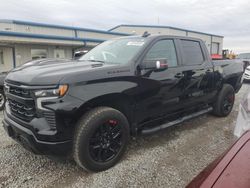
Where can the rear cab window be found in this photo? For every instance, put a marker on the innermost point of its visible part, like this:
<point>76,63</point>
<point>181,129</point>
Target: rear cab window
<point>192,52</point>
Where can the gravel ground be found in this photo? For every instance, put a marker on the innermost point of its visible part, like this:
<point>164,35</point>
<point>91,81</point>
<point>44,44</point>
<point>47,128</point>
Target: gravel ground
<point>170,158</point>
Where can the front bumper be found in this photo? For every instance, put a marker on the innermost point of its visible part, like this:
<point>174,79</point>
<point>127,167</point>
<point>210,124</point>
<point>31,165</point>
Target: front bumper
<point>42,125</point>
<point>28,140</point>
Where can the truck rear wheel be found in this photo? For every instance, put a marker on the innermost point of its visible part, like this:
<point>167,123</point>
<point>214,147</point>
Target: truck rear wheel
<point>2,100</point>
<point>100,139</point>
<point>225,101</point>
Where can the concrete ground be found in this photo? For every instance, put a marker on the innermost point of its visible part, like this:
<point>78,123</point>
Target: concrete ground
<point>170,158</point>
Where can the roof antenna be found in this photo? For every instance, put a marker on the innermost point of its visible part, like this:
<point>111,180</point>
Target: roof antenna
<point>145,34</point>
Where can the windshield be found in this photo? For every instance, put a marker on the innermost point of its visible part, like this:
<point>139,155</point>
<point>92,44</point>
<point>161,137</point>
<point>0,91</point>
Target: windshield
<point>117,51</point>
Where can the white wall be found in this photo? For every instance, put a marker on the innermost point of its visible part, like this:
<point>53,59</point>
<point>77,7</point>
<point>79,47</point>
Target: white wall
<point>205,38</point>
<point>14,39</point>
<point>44,30</point>
<point>7,59</point>
<point>177,32</point>
<point>93,35</point>
<point>23,52</point>
<point>141,30</point>
<point>53,31</point>
<point>6,26</point>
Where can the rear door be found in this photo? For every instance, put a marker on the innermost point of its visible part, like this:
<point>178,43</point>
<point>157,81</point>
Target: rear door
<point>197,72</point>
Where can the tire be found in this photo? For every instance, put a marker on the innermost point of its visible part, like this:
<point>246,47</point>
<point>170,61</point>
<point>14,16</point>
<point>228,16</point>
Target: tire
<point>225,101</point>
<point>99,133</point>
<point>2,100</point>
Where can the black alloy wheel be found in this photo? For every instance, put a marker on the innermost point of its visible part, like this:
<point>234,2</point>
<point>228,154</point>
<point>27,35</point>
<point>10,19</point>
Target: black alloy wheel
<point>106,142</point>
<point>228,103</point>
<point>100,139</point>
<point>225,101</point>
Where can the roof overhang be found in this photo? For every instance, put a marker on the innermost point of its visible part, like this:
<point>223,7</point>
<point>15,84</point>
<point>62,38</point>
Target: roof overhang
<point>16,37</point>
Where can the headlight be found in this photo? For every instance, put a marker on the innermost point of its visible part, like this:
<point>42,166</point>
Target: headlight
<point>57,92</point>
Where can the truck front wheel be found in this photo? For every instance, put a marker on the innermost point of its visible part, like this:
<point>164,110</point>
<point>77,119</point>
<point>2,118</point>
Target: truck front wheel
<point>100,139</point>
<point>225,101</point>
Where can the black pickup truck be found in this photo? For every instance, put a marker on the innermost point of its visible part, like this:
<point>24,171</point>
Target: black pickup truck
<point>127,86</point>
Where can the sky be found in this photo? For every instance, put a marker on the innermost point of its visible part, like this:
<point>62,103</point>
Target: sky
<point>230,19</point>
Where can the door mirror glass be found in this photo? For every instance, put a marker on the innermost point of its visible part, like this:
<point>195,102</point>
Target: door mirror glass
<point>155,64</point>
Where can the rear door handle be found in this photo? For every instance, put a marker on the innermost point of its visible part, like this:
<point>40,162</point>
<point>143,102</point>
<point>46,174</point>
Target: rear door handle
<point>208,71</point>
<point>179,75</point>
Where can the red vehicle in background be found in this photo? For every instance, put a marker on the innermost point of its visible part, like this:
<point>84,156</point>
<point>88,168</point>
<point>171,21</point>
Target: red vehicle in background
<point>231,170</point>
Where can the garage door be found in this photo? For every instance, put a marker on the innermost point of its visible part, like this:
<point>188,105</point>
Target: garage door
<point>215,48</point>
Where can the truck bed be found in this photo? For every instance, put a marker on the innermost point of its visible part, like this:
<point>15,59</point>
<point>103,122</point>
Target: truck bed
<point>229,67</point>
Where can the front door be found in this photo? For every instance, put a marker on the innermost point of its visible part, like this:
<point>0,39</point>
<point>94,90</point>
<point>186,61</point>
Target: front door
<point>160,90</point>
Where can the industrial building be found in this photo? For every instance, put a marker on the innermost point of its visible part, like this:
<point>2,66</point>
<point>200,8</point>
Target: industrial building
<point>21,41</point>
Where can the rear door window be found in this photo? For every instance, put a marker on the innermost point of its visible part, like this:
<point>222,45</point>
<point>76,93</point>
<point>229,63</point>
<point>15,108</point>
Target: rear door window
<point>192,52</point>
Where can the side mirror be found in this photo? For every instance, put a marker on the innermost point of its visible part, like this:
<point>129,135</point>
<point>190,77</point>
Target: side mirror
<point>79,54</point>
<point>155,64</point>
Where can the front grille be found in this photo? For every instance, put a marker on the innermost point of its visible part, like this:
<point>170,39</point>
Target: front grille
<point>21,103</point>
<point>19,92</point>
<point>22,111</point>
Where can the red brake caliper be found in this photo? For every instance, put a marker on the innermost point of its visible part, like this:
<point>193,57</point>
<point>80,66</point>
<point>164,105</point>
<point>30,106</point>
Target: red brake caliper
<point>231,98</point>
<point>112,122</point>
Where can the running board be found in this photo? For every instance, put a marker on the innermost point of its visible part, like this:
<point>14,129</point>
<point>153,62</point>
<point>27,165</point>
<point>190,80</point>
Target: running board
<point>180,120</point>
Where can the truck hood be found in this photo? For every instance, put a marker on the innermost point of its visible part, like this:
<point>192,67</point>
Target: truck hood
<point>50,72</point>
